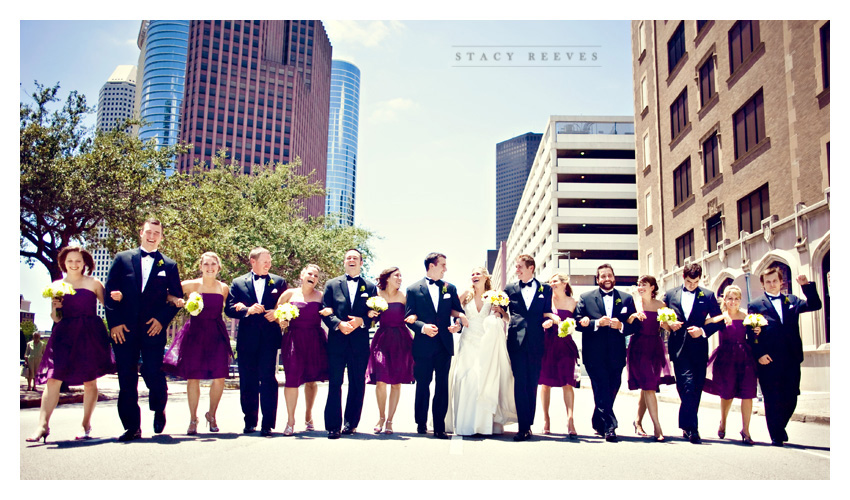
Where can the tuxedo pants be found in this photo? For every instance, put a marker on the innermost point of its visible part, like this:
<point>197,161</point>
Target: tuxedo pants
<point>526,369</point>
<point>425,367</point>
<point>690,379</point>
<point>338,361</point>
<point>151,349</point>
<point>258,388</point>
<point>605,380</point>
<point>780,385</point>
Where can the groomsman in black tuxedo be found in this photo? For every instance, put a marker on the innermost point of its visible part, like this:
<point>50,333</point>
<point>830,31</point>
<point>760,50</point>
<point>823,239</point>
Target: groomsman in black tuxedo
<point>252,301</point>
<point>688,344</point>
<point>137,312</point>
<point>603,315</point>
<point>531,313</point>
<point>432,301</point>
<point>348,343</point>
<point>778,348</point>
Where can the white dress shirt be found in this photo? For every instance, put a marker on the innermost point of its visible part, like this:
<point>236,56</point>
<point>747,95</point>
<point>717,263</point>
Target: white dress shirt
<point>147,266</point>
<point>352,290</point>
<point>434,290</point>
<point>777,304</point>
<point>259,287</point>
<point>688,301</point>
<point>528,292</point>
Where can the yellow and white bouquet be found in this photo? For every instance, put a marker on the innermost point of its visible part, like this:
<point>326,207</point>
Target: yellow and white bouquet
<point>377,304</point>
<point>568,327</point>
<point>195,304</point>
<point>286,312</point>
<point>755,320</point>
<point>498,298</point>
<point>667,314</point>
<point>57,290</point>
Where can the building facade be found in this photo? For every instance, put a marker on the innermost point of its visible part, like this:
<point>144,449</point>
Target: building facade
<point>261,89</point>
<point>578,209</point>
<point>514,158</point>
<point>732,132</point>
<point>341,182</point>
<point>117,98</point>
<point>162,72</point>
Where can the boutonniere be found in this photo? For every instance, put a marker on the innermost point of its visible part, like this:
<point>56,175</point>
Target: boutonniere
<point>445,289</point>
<point>362,288</point>
<point>271,282</point>
<point>700,294</point>
<point>787,300</point>
<point>160,263</point>
<point>617,301</point>
<point>540,289</point>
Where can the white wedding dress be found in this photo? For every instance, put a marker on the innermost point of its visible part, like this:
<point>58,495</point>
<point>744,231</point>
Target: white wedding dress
<point>481,383</point>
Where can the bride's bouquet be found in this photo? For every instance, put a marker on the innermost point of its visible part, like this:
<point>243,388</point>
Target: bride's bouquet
<point>286,312</point>
<point>195,304</point>
<point>667,314</point>
<point>568,327</point>
<point>497,297</point>
<point>57,290</point>
<point>755,320</point>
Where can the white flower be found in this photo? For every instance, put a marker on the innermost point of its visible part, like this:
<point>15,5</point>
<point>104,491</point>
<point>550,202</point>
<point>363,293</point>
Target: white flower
<point>57,290</point>
<point>195,304</point>
<point>667,314</point>
<point>377,304</point>
<point>568,327</point>
<point>286,312</point>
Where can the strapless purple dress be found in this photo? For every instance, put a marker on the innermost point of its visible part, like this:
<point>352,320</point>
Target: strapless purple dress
<point>391,354</point>
<point>304,350</point>
<point>647,360</point>
<point>731,371</point>
<point>560,357</point>
<point>201,349</point>
<point>78,348</point>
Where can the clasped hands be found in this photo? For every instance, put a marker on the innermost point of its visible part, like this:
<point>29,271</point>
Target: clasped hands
<point>603,321</point>
<point>693,331</point>
<point>117,332</point>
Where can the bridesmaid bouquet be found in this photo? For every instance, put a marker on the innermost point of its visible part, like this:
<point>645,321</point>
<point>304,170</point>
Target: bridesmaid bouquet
<point>195,304</point>
<point>286,312</point>
<point>568,327</point>
<point>57,290</point>
<point>498,298</point>
<point>667,314</point>
<point>755,320</point>
<point>377,304</point>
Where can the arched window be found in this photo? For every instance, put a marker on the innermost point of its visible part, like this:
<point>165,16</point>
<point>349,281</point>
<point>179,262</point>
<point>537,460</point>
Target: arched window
<point>722,287</point>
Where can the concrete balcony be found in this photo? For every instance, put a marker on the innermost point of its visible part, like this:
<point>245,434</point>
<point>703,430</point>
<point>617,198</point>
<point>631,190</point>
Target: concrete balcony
<point>567,215</point>
<point>596,191</point>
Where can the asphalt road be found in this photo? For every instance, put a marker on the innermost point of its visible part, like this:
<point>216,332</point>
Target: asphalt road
<point>407,455</point>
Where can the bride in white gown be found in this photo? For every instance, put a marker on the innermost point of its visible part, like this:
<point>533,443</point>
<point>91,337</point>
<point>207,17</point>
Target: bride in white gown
<point>481,384</point>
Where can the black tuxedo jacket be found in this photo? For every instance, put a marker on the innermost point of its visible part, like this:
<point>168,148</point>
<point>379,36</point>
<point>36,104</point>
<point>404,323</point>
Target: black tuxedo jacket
<point>705,307</point>
<point>781,339</point>
<point>527,322</point>
<point>337,298</point>
<point>137,306</point>
<point>251,327</point>
<point>605,344</point>
<point>419,303</point>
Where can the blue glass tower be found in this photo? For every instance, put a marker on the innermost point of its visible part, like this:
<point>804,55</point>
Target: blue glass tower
<point>164,46</point>
<point>342,141</point>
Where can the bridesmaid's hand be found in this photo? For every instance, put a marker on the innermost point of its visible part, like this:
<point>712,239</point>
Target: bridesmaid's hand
<point>374,314</point>
<point>179,303</point>
<point>326,311</point>
<point>585,321</point>
<point>639,315</point>
<point>548,324</point>
<point>675,325</point>
<point>757,330</point>
<point>410,319</point>
<point>57,303</point>
<point>727,320</point>
<point>284,324</point>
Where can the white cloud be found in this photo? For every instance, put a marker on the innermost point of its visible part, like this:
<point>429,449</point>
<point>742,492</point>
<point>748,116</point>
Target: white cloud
<point>388,111</point>
<point>366,33</point>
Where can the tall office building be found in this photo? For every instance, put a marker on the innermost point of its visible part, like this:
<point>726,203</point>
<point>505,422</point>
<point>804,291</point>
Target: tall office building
<point>514,158</point>
<point>578,207</point>
<point>261,89</point>
<point>342,141</point>
<point>732,130</point>
<point>162,72</point>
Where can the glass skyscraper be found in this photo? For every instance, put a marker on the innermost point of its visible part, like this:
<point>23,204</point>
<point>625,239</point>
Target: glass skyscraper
<point>342,141</point>
<point>162,66</point>
<point>514,159</point>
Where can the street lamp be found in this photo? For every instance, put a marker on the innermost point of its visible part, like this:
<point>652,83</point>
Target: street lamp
<point>567,254</point>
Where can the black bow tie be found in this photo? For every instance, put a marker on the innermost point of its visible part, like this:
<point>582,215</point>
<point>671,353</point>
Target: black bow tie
<point>685,290</point>
<point>148,254</point>
<point>434,282</point>
<point>260,276</point>
<point>773,297</point>
<point>523,285</point>
<point>351,278</point>
<point>608,294</point>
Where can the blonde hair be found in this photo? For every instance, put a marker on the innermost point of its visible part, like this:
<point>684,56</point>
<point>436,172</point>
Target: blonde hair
<point>487,284</point>
<point>212,255</point>
<point>565,279</point>
<point>308,266</point>
<point>733,289</point>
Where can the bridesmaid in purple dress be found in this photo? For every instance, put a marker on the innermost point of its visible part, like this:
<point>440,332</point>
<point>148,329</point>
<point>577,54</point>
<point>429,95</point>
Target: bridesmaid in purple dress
<point>201,349</point>
<point>731,371</point>
<point>647,363</point>
<point>391,353</point>
<point>78,351</point>
<point>304,346</point>
<point>560,354</point>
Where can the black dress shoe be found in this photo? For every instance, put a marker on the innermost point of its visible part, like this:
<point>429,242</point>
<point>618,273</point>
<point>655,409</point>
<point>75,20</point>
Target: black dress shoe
<point>249,429</point>
<point>441,435</point>
<point>421,429</point>
<point>158,421</point>
<point>348,430</point>
<point>130,435</point>
<point>611,437</point>
<point>522,436</point>
<point>265,432</point>
<point>777,442</point>
<point>694,438</point>
<point>333,434</point>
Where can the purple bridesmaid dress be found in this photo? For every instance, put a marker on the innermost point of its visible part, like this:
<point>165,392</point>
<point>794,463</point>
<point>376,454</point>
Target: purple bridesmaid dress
<point>560,357</point>
<point>647,361</point>
<point>731,371</point>
<point>201,349</point>
<point>391,354</point>
<point>304,350</point>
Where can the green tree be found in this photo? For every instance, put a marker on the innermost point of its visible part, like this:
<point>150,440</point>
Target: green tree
<point>72,179</point>
<point>28,327</point>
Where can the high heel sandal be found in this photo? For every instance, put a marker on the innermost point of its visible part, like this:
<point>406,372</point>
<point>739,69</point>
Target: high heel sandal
<point>389,427</point>
<point>310,426</point>
<point>193,427</point>
<point>660,438</point>
<point>640,433</point>
<point>721,432</point>
<point>211,425</point>
<point>42,434</point>
<point>380,426</point>
<point>289,430</point>
<point>85,435</point>
<point>747,439</point>
<point>546,428</point>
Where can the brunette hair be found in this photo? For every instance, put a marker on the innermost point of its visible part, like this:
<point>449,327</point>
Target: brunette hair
<point>308,266</point>
<point>527,260</point>
<point>771,270</point>
<point>604,266</point>
<point>692,271</point>
<point>563,278</point>
<point>432,258</point>
<point>649,280</point>
<point>385,276</point>
<point>152,221</point>
<point>88,260</point>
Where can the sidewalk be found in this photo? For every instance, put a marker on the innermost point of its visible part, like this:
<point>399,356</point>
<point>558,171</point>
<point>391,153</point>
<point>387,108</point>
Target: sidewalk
<point>811,406</point>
